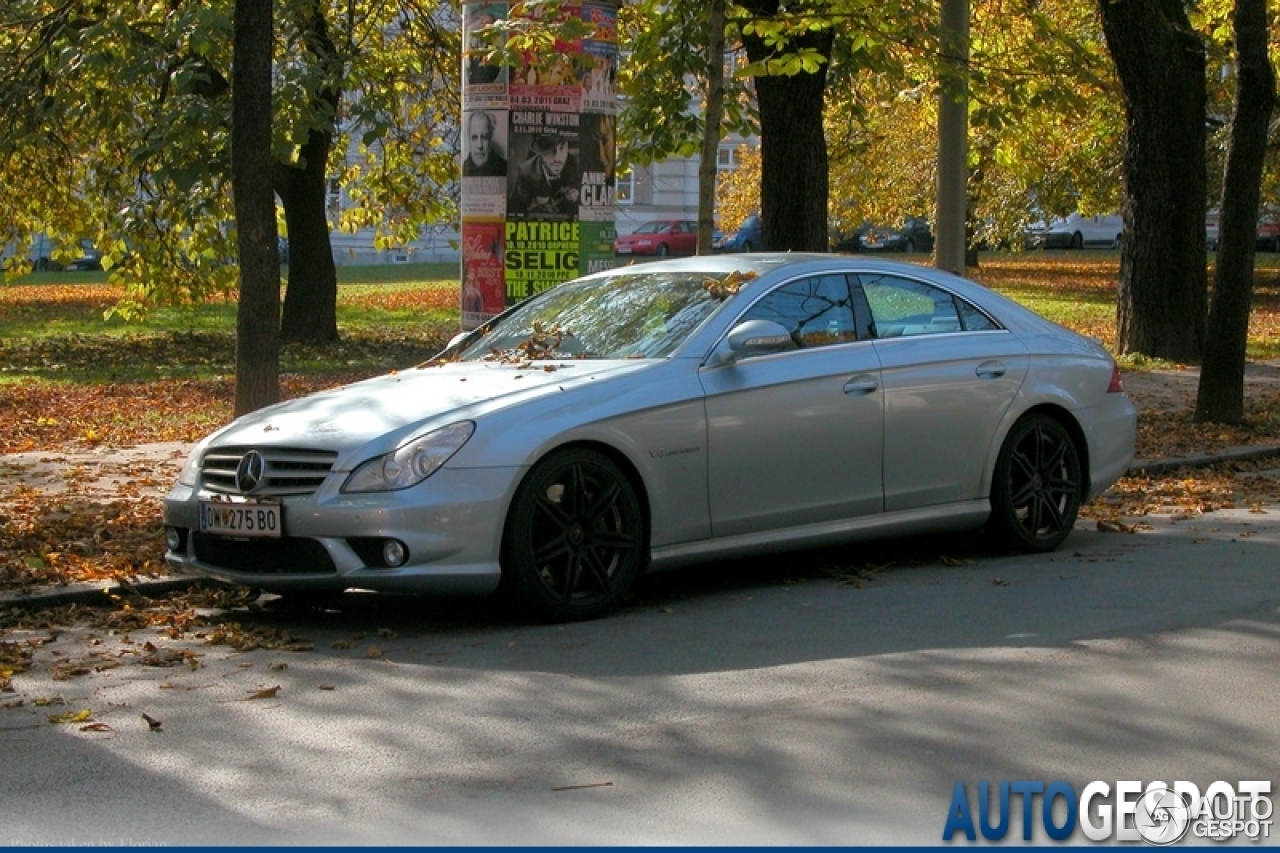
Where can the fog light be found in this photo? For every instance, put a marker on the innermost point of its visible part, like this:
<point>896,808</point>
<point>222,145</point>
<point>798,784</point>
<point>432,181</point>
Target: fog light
<point>394,553</point>
<point>173,539</point>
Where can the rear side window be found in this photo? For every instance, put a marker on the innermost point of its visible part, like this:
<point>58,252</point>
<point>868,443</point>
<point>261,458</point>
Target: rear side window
<point>902,307</point>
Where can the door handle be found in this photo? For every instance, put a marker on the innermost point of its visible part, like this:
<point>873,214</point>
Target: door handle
<point>863,384</point>
<point>991,370</point>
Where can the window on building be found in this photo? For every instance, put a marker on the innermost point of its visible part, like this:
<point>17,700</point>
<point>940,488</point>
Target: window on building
<point>624,188</point>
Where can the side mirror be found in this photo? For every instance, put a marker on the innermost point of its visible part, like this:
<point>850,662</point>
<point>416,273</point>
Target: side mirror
<point>752,338</point>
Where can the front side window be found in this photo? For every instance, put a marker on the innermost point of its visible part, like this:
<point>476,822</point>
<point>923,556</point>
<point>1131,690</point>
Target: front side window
<point>817,311</point>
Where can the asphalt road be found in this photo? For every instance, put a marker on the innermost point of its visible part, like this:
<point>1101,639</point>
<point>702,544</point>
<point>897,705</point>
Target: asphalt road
<point>731,704</point>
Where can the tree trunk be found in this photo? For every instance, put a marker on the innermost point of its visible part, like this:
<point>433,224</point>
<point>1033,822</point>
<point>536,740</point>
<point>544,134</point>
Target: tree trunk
<point>258,312</point>
<point>793,144</point>
<point>1160,61</point>
<point>1221,393</point>
<point>311,300</point>
<point>709,167</point>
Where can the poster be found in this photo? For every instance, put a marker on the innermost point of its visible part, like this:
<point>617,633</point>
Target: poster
<point>483,84</point>
<point>597,155</point>
<point>545,180</point>
<point>483,291</point>
<point>540,255</point>
<point>537,156</point>
<point>598,65</point>
<point>596,241</point>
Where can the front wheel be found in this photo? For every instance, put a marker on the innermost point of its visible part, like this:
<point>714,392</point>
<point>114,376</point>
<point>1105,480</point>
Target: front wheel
<point>1037,485</point>
<point>575,538</point>
<point>662,250</point>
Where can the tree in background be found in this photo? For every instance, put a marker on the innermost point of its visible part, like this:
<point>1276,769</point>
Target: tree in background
<point>1160,61</point>
<point>789,60</point>
<point>116,126</point>
<point>258,314</point>
<point>1220,396</point>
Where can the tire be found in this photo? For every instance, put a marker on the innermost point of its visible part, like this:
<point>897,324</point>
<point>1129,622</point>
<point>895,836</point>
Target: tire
<point>1037,485</point>
<point>1077,240</point>
<point>662,250</point>
<point>575,538</point>
<point>908,247</point>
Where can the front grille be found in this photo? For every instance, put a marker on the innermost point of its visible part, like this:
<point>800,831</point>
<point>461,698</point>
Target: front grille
<point>265,556</point>
<point>288,471</point>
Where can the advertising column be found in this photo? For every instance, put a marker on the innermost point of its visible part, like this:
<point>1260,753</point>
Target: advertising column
<point>538,162</point>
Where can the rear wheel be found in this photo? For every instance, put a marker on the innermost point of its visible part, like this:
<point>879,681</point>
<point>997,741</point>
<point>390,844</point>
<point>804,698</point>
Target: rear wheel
<point>662,250</point>
<point>1077,240</point>
<point>1037,485</point>
<point>575,538</point>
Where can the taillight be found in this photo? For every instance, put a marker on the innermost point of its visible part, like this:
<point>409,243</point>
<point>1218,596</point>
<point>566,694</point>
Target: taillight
<point>1116,385</point>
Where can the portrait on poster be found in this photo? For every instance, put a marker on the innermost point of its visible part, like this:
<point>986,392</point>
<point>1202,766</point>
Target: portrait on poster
<point>545,181</point>
<point>598,153</point>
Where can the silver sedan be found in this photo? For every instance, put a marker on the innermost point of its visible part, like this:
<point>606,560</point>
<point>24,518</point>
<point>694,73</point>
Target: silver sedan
<point>655,415</point>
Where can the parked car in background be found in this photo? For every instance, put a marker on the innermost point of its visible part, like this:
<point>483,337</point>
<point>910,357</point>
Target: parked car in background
<point>1269,231</point>
<point>1075,231</point>
<point>1211,230</point>
<point>748,238</point>
<point>847,241</point>
<point>913,235</point>
<point>90,258</point>
<point>658,414</point>
<point>660,238</point>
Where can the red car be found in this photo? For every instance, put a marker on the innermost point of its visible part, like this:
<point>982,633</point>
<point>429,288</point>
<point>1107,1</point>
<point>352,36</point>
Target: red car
<point>661,237</point>
<point>1269,232</point>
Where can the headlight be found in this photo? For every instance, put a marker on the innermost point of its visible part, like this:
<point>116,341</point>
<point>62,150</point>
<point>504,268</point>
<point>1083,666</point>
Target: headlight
<point>190,473</point>
<point>410,463</point>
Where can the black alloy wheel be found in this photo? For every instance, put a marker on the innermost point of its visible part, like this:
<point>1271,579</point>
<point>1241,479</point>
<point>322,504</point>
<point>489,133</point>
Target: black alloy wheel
<point>1037,485</point>
<point>575,538</point>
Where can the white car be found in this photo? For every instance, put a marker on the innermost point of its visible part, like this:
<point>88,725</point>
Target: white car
<point>1075,231</point>
<point>655,415</point>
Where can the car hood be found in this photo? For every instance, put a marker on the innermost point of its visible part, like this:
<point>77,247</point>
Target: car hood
<point>396,404</point>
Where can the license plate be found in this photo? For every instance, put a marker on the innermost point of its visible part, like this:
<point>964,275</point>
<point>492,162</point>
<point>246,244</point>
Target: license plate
<point>623,250</point>
<point>242,518</point>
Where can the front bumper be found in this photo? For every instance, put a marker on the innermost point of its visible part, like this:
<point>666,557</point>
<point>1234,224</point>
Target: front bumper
<point>450,525</point>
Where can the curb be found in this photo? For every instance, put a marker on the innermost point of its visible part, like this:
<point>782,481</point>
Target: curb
<point>87,593</point>
<point>1232,454</point>
<point>84,593</point>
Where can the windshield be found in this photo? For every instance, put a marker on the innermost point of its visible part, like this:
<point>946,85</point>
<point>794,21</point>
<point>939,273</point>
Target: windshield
<point>629,315</point>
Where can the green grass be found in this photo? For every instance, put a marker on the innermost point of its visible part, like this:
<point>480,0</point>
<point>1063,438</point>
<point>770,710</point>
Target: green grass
<point>52,328</point>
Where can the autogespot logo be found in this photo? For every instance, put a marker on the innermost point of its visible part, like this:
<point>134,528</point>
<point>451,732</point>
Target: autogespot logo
<point>1156,813</point>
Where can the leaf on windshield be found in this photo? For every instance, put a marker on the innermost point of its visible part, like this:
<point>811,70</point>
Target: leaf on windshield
<point>723,288</point>
<point>543,344</point>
